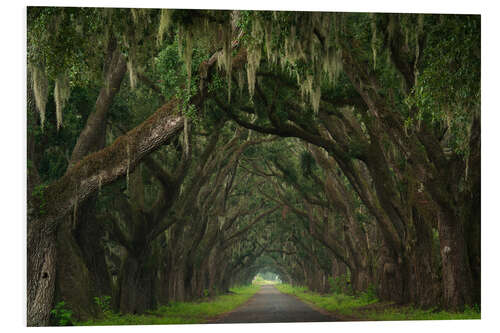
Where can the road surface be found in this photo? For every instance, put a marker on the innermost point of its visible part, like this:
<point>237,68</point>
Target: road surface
<point>268,305</point>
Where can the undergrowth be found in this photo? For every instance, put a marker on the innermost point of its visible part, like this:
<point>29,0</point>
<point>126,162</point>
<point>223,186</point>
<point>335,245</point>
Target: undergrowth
<point>180,312</point>
<point>365,306</point>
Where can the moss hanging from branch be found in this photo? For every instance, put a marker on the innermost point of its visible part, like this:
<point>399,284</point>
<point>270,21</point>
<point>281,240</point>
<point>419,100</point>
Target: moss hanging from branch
<point>306,49</point>
<point>164,25</point>
<point>132,73</point>
<point>254,54</point>
<point>41,90</point>
<point>374,39</point>
<point>61,96</point>
<point>419,30</point>
<point>185,48</point>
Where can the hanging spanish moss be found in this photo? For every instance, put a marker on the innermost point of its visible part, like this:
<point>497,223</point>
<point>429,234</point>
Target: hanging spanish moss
<point>304,42</point>
<point>128,165</point>
<point>40,89</point>
<point>132,73</point>
<point>254,54</point>
<point>419,30</point>
<point>374,39</point>
<point>165,22</point>
<point>61,95</point>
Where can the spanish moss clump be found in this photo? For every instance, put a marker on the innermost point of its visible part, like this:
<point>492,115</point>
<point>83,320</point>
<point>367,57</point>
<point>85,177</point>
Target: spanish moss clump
<point>311,88</point>
<point>419,30</point>
<point>253,58</point>
<point>207,30</point>
<point>374,39</point>
<point>185,45</point>
<point>224,57</point>
<point>61,95</point>
<point>165,22</point>
<point>132,73</point>
<point>305,41</point>
<point>241,81</point>
<point>40,89</point>
<point>128,164</point>
<point>139,14</point>
<point>254,54</point>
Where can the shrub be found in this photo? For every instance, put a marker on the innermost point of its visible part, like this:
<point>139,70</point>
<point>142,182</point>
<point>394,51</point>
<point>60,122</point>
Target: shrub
<point>340,285</point>
<point>104,304</point>
<point>60,316</point>
<point>369,294</point>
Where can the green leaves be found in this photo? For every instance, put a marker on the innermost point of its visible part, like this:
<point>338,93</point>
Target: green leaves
<point>104,304</point>
<point>61,316</point>
<point>447,91</point>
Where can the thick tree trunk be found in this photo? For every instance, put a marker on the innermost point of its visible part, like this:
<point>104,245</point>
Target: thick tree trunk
<point>137,285</point>
<point>89,234</point>
<point>164,282</point>
<point>41,250</point>
<point>473,209</point>
<point>393,278</point>
<point>457,277</point>
<point>73,279</point>
<point>82,272</point>
<point>424,283</point>
<point>91,136</point>
<point>41,274</point>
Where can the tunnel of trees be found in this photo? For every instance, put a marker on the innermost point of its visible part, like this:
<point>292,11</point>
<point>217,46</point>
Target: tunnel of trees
<point>176,153</point>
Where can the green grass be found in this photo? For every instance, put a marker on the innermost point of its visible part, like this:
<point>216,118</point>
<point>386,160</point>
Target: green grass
<point>410,313</point>
<point>366,307</point>
<point>181,312</point>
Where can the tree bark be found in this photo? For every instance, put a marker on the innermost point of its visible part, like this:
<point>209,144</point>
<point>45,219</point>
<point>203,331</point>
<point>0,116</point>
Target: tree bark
<point>137,284</point>
<point>457,277</point>
<point>41,272</point>
<point>91,136</point>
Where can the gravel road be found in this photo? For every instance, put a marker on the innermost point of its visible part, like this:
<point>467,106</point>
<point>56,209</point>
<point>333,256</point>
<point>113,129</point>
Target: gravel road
<point>268,305</point>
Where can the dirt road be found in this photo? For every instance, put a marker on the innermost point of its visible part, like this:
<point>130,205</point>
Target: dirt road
<point>270,306</point>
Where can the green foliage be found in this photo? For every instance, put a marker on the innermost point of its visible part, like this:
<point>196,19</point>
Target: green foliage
<point>181,312</point>
<point>60,315</point>
<point>340,284</point>
<point>265,278</point>
<point>367,307</point>
<point>307,163</point>
<point>448,88</point>
<point>333,302</point>
<point>369,295</point>
<point>411,313</point>
<point>104,304</point>
<point>38,195</point>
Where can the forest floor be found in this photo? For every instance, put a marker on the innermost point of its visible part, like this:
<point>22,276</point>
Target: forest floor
<point>365,307</point>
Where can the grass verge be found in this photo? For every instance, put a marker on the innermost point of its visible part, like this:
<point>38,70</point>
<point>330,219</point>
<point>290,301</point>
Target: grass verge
<point>366,307</point>
<point>181,312</point>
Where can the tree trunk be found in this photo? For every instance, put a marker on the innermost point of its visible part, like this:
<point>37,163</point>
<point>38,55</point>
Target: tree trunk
<point>457,277</point>
<point>424,283</point>
<point>89,234</point>
<point>137,285</point>
<point>41,274</point>
<point>393,278</point>
<point>73,280</point>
